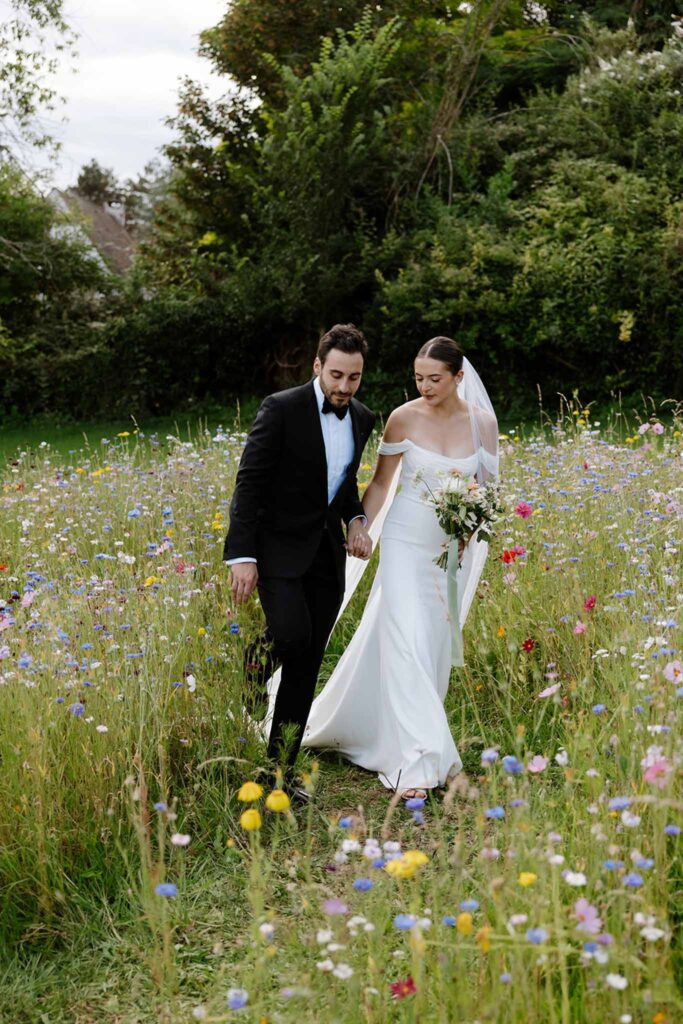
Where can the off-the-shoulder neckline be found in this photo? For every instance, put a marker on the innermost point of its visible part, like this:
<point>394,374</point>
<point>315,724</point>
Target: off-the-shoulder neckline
<point>431,451</point>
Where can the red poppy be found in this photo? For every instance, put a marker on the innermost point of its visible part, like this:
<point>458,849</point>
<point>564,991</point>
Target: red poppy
<point>528,644</point>
<point>590,602</point>
<point>508,556</point>
<point>401,989</point>
<point>3,566</point>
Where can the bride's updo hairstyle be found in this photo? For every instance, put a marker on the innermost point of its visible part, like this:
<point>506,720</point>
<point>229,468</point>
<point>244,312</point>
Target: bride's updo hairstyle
<point>445,351</point>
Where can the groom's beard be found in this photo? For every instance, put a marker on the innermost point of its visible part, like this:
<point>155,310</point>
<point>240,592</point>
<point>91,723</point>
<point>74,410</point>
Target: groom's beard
<point>335,397</point>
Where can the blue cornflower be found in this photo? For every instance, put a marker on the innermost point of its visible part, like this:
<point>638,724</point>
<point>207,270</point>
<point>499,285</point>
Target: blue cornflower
<point>449,921</point>
<point>512,765</point>
<point>517,803</point>
<point>234,629</point>
<point>418,817</point>
<point>404,922</point>
<point>160,806</point>
<point>489,756</point>
<point>25,660</point>
<point>633,880</point>
<point>237,998</point>
<point>672,830</point>
<point>134,513</point>
<point>598,709</point>
<point>612,865</point>
<point>416,803</point>
<point>537,935</point>
<point>505,977</point>
<point>645,863</point>
<point>619,803</point>
<point>469,905</point>
<point>495,812</point>
<point>379,863</point>
<point>60,700</point>
<point>167,889</point>
<point>362,884</point>
<point>345,822</point>
<point>77,709</point>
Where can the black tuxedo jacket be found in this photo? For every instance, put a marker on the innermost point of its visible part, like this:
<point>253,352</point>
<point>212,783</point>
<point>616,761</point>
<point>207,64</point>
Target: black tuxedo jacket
<point>279,507</point>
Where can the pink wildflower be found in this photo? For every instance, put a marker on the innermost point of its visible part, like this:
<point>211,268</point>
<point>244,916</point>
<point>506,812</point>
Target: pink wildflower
<point>587,916</point>
<point>673,671</point>
<point>524,509</point>
<point>589,603</point>
<point>658,772</point>
<point>580,628</point>
<point>657,428</point>
<point>537,764</point>
<point>643,428</point>
<point>550,690</point>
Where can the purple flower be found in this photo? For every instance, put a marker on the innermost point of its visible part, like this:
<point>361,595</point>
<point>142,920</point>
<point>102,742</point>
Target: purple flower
<point>416,803</point>
<point>598,709</point>
<point>537,935</point>
<point>77,709</point>
<point>489,756</point>
<point>619,803</point>
<point>167,889</point>
<point>633,880</point>
<point>334,907</point>
<point>505,978</point>
<point>672,830</point>
<point>160,806</point>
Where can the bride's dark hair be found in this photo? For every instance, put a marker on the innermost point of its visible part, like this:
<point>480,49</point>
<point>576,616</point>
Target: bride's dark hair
<point>444,350</point>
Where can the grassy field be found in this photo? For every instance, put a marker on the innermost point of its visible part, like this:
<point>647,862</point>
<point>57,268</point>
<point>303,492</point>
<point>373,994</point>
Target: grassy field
<point>544,886</point>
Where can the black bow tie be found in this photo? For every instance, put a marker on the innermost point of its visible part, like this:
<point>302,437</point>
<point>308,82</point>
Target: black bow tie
<point>339,413</point>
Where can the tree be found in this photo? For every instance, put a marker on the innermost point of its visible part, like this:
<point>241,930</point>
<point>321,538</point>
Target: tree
<point>98,184</point>
<point>32,41</point>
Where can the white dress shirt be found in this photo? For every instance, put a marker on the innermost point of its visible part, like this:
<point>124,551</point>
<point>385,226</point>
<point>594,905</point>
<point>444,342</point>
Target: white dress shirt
<point>339,450</point>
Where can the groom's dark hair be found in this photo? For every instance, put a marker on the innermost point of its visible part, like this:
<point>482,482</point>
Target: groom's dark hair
<point>345,337</point>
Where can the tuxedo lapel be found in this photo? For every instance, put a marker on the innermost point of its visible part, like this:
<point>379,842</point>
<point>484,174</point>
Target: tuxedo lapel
<point>314,436</point>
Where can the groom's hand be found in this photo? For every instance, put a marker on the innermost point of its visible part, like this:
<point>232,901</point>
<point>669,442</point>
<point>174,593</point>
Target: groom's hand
<point>243,580</point>
<point>358,540</point>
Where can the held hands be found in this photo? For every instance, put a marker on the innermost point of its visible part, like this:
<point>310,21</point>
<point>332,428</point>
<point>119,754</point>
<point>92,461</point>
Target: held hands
<point>358,540</point>
<point>243,580</point>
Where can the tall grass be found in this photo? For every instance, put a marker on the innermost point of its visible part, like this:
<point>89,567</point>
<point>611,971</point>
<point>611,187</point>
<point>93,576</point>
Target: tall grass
<point>542,886</point>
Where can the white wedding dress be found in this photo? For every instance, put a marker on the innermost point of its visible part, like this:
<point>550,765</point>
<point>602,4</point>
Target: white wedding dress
<point>383,706</point>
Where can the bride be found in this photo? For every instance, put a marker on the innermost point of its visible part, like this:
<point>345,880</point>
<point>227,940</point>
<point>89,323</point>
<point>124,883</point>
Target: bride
<point>383,706</point>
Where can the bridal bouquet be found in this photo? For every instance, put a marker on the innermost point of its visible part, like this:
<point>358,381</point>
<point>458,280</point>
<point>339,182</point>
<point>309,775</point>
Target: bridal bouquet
<point>464,507</point>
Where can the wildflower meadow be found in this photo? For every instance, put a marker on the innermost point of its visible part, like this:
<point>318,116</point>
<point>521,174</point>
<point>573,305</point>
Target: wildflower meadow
<point>150,870</point>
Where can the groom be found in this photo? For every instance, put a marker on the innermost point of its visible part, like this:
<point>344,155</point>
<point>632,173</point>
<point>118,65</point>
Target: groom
<point>296,485</point>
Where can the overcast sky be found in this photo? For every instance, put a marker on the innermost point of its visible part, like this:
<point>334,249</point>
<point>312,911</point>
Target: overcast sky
<point>131,55</point>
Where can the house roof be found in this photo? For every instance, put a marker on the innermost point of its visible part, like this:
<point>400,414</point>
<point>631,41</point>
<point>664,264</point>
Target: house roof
<point>101,225</point>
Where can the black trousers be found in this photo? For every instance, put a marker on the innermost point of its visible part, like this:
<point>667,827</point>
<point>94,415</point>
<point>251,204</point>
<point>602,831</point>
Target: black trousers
<point>300,614</point>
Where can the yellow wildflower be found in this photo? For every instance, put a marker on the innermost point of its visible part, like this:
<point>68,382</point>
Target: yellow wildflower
<point>527,878</point>
<point>250,819</point>
<point>124,433</point>
<point>501,631</point>
<point>464,923</point>
<point>201,631</point>
<point>249,792</point>
<point>400,868</point>
<point>151,580</point>
<point>277,800</point>
<point>483,938</point>
<point>416,857</point>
